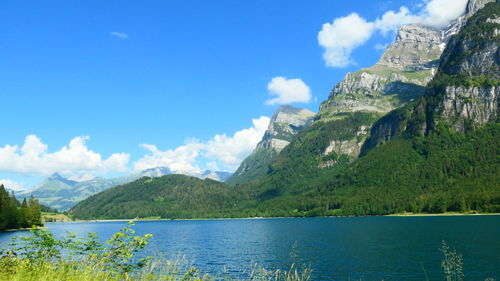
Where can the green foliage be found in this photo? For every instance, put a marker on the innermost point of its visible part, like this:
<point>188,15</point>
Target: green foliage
<point>171,196</point>
<point>254,166</point>
<point>14,215</point>
<point>117,255</point>
<point>441,172</point>
<point>122,247</point>
<point>445,171</point>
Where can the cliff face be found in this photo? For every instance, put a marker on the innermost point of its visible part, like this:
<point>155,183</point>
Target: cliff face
<point>470,72</point>
<point>285,124</point>
<point>467,80</point>
<point>465,91</point>
<point>399,77</point>
<point>401,74</point>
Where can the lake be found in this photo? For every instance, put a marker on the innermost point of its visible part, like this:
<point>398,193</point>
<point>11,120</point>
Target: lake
<point>357,248</point>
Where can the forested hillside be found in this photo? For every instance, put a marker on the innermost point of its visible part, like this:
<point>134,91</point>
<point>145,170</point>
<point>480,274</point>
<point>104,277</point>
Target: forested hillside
<point>171,196</point>
<point>14,215</point>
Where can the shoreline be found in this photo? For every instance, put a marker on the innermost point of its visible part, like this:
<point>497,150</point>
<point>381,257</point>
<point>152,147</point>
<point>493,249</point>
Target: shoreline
<point>22,229</point>
<point>258,218</point>
<point>440,214</point>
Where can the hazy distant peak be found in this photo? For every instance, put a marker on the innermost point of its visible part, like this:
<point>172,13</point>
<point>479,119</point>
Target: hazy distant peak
<point>57,177</point>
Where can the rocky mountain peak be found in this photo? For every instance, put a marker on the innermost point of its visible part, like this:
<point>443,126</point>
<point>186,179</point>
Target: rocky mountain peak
<point>400,75</point>
<point>57,177</point>
<point>415,47</point>
<point>465,93</point>
<point>285,123</point>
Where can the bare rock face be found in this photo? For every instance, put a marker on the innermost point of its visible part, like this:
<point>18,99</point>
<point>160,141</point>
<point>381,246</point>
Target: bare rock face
<point>465,92</point>
<point>401,74</point>
<point>478,105</point>
<point>473,60</point>
<point>406,68</point>
<point>285,123</point>
<point>416,47</point>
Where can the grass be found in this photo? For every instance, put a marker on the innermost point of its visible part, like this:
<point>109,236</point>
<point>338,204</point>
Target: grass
<point>23,270</point>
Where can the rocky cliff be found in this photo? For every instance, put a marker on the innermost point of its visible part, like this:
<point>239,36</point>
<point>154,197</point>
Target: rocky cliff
<point>465,92</point>
<point>399,76</point>
<point>406,68</point>
<point>285,123</point>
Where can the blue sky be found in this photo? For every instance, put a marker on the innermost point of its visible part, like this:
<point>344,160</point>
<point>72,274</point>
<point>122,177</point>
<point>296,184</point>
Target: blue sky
<point>167,74</point>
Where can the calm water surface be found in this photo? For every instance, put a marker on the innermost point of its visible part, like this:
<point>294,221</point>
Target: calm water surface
<point>367,248</point>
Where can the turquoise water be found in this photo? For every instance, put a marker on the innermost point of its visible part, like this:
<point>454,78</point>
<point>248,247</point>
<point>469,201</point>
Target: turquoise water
<point>366,248</point>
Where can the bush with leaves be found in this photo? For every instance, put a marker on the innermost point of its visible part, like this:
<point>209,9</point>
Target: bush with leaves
<point>117,254</point>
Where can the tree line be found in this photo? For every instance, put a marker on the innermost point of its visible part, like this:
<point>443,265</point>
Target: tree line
<point>14,215</point>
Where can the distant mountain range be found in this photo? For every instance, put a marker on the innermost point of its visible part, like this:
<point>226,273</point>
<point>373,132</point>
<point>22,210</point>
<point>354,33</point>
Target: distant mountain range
<point>61,193</point>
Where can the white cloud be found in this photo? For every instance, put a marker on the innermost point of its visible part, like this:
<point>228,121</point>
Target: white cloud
<point>391,20</point>
<point>440,13</point>
<point>179,160</point>
<point>121,35</point>
<point>288,91</point>
<point>228,151</point>
<point>344,34</point>
<point>341,36</point>
<point>213,166</point>
<point>33,158</point>
<point>12,185</point>
<point>232,150</point>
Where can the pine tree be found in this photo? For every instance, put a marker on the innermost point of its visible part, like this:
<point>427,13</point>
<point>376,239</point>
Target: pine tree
<point>14,215</point>
<point>35,211</point>
<point>25,219</point>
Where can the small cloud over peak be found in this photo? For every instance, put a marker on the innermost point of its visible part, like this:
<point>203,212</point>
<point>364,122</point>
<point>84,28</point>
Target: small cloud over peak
<point>343,35</point>
<point>121,35</point>
<point>288,91</point>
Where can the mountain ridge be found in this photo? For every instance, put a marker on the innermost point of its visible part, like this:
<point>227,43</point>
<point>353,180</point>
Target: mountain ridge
<point>61,193</point>
<point>285,123</point>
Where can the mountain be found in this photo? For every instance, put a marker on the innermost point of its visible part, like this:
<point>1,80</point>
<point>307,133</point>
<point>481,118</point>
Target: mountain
<point>335,138</point>
<point>285,123</point>
<point>375,149</point>
<point>61,193</point>
<point>399,77</point>
<point>438,153</point>
<point>171,196</point>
